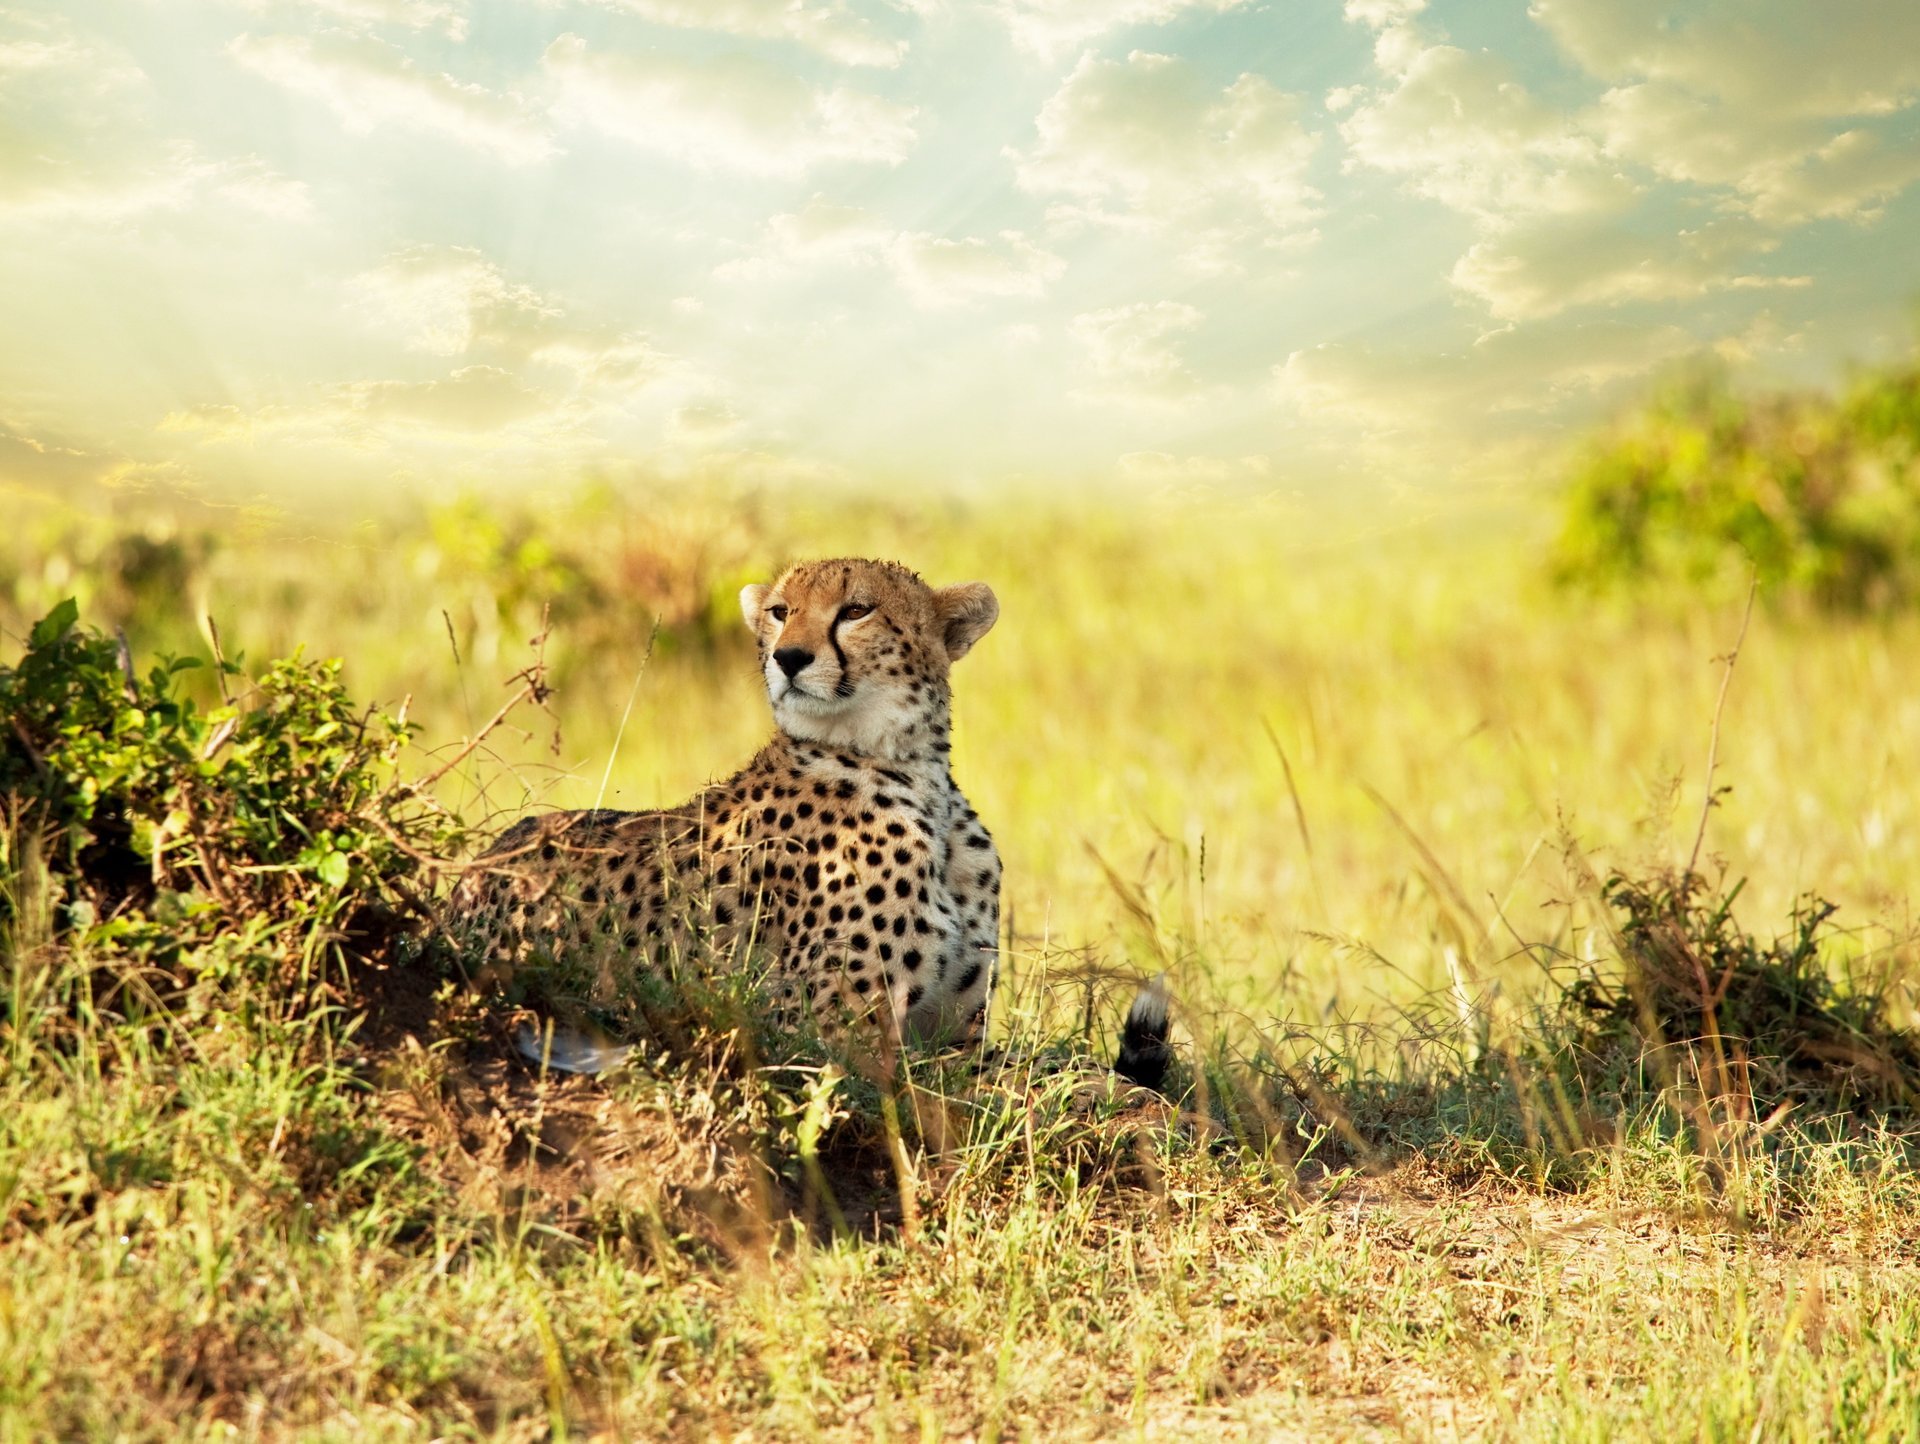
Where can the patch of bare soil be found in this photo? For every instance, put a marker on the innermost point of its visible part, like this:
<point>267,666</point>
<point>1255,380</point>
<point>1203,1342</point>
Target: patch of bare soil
<point>581,1155</point>
<point>677,1147</point>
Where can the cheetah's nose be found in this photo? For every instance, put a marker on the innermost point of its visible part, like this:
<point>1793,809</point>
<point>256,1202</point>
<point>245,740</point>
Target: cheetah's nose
<point>793,660</point>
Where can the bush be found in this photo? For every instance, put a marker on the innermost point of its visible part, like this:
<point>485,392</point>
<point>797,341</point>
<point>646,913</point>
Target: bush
<point>605,575</point>
<point>247,835</point>
<point>1741,1024</point>
<point>1819,495</point>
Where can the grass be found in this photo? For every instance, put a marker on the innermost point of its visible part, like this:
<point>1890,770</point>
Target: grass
<point>1354,793</point>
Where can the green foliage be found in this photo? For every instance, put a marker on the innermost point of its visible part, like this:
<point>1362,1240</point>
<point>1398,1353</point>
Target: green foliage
<point>203,839</point>
<point>602,572</point>
<point>1819,495</point>
<point>147,574</point>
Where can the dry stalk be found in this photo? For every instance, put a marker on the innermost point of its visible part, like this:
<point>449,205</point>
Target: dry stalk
<point>1713,739</point>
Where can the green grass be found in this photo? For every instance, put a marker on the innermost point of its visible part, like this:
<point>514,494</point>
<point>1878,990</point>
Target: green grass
<point>1350,789</point>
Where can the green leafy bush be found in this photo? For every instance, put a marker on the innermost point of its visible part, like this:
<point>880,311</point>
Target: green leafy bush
<point>248,834</point>
<point>1819,495</point>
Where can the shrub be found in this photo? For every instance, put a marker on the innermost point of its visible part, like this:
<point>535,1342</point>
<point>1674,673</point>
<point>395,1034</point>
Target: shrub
<point>1819,495</point>
<point>1699,1002</point>
<point>146,573</point>
<point>246,835</point>
<point>605,574</point>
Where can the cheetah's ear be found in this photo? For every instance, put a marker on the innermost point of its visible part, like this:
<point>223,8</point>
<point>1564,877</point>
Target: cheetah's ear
<point>752,599</point>
<point>966,613</point>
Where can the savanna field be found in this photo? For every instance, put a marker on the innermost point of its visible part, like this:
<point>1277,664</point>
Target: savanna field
<point>1520,1094</point>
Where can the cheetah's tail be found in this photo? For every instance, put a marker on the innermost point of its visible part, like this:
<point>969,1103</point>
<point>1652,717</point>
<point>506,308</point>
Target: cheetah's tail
<point>1145,1053</point>
<point>567,1050</point>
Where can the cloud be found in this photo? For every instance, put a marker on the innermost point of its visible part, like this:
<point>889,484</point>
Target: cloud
<point>445,299</point>
<point>1786,168</point>
<point>1516,372</point>
<point>935,271</point>
<point>469,400</point>
<point>1777,101</point>
<point>1541,266</point>
<point>74,62</point>
<point>1563,212</point>
<point>473,398</point>
<point>1150,135</point>
<point>180,181</point>
<point>820,232</point>
<point>369,84</point>
<point>1053,28</point>
<point>1133,352</point>
<point>1784,56</point>
<point>77,145</point>
<point>1464,131</point>
<point>531,382</point>
<point>45,465</point>
<point>476,408</point>
<point>727,112</point>
<point>447,16</point>
<point>827,27</point>
<point>454,301</point>
<point>1383,13</point>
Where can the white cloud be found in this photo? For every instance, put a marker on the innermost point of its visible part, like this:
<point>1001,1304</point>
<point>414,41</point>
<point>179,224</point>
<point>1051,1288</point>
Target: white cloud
<point>447,16</point>
<point>182,181</point>
<point>827,27</point>
<point>1382,13</point>
<point>473,398</point>
<point>730,112</point>
<point>1787,168</point>
<point>454,301</point>
<point>1773,100</point>
<point>470,406</point>
<point>72,61</point>
<point>1462,129</point>
<point>1518,372</point>
<point>1151,135</point>
<point>1564,213</point>
<point>1542,266</point>
<point>935,271</point>
<point>1779,56</point>
<point>1134,354</point>
<point>78,144</point>
<point>444,299</point>
<point>820,232</point>
<point>369,84</point>
<point>1053,28</point>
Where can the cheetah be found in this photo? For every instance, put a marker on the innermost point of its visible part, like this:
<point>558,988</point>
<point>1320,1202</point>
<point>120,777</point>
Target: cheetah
<point>843,859</point>
<point>844,855</point>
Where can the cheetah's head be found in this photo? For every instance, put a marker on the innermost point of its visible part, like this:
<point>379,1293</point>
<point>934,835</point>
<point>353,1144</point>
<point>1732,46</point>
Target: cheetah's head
<point>855,653</point>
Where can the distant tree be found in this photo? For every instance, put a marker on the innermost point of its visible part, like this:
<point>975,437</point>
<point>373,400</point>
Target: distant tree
<point>1820,494</point>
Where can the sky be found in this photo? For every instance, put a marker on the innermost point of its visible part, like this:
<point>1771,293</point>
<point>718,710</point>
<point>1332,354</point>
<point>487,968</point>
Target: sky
<point>313,245</point>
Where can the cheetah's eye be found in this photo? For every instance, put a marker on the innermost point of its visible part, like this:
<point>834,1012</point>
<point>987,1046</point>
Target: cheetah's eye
<point>854,613</point>
<point>778,611</point>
